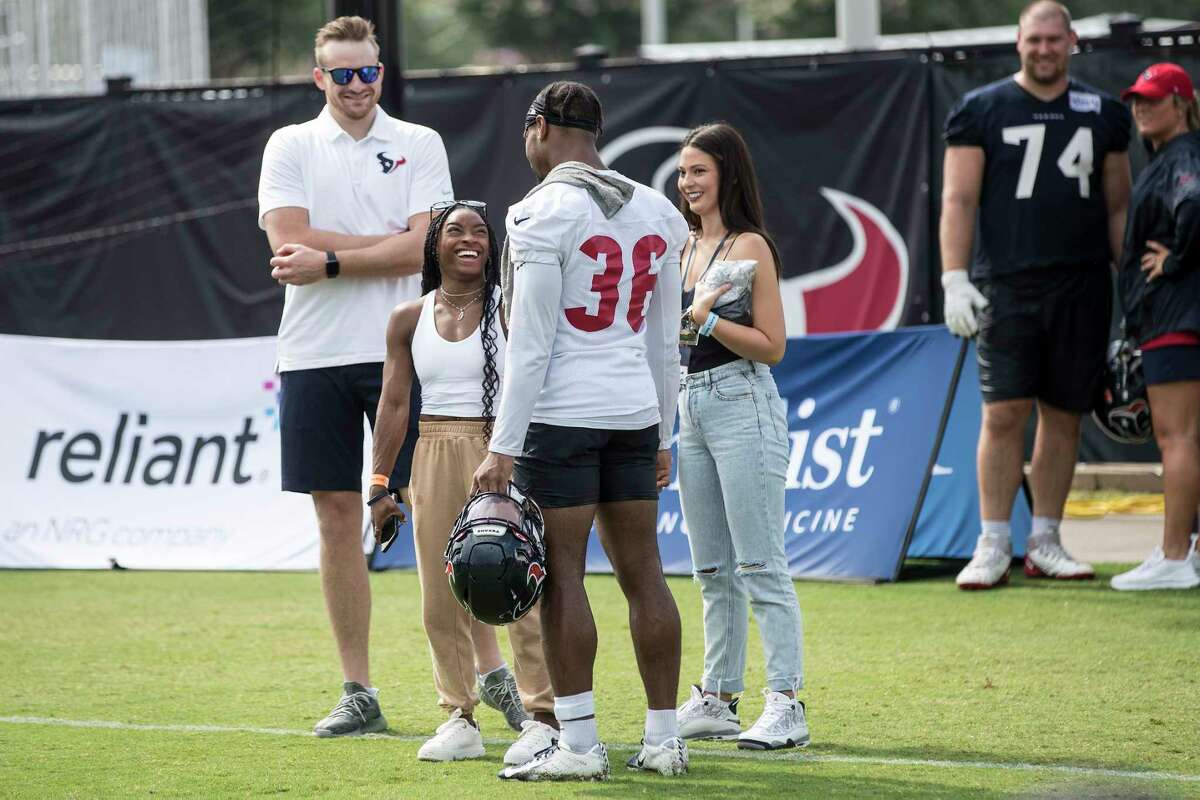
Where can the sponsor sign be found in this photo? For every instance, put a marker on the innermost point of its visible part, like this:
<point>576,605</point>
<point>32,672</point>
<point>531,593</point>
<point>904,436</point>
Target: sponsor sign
<point>149,455</point>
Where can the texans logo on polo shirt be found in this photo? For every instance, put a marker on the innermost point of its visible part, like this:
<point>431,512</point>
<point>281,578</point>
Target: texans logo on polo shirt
<point>389,165</point>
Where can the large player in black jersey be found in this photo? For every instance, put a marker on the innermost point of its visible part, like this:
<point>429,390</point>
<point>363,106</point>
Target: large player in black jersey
<point>1043,160</point>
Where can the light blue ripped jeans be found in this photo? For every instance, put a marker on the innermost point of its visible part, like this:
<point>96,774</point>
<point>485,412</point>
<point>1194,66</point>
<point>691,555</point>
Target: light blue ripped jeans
<point>733,455</point>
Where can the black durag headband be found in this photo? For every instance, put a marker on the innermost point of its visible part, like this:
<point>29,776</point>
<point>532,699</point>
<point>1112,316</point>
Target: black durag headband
<point>538,108</point>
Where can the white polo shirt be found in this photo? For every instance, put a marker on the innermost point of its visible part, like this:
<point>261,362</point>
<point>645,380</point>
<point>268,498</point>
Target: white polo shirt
<point>364,188</point>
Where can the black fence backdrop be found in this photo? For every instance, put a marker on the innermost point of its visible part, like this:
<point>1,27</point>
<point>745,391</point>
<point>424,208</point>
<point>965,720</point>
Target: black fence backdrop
<point>134,215</point>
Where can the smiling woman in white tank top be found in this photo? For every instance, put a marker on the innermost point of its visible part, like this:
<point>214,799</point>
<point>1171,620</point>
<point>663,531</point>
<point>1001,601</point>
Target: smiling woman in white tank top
<point>453,341</point>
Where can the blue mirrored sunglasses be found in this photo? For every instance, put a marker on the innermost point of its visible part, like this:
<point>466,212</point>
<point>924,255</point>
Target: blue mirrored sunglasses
<point>343,75</point>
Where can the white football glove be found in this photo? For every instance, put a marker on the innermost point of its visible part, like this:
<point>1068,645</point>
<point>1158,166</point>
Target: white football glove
<point>962,301</point>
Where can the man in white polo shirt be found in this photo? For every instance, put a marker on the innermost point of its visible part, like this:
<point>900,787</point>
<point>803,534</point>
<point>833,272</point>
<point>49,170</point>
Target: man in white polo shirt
<point>344,199</point>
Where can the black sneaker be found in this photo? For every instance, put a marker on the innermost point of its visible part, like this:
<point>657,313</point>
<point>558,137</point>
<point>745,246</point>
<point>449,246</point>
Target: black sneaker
<point>355,714</point>
<point>499,690</point>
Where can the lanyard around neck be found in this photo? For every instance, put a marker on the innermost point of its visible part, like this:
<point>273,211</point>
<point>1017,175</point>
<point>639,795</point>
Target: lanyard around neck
<point>691,255</point>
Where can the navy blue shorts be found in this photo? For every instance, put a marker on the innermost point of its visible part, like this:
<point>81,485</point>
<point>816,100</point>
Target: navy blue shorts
<point>321,427</point>
<point>564,467</point>
<point>1171,364</point>
<point>1045,335</point>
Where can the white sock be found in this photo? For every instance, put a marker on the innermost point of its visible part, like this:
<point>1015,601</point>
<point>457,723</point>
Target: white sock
<point>996,527</point>
<point>579,735</point>
<point>483,675</point>
<point>660,726</point>
<point>576,714</point>
<point>374,692</point>
<point>1045,526</point>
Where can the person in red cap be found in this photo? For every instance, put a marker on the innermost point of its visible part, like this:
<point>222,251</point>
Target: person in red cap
<point>1159,287</point>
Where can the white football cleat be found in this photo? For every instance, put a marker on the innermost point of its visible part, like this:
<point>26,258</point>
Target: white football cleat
<point>1046,558</point>
<point>455,740</point>
<point>989,566</point>
<point>782,724</point>
<point>1158,572</point>
<point>535,737</point>
<point>668,758</point>
<point>706,717</point>
<point>560,764</point>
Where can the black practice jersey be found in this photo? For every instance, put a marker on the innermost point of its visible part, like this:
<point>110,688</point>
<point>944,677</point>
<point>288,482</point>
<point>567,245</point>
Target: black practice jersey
<point>1042,201</point>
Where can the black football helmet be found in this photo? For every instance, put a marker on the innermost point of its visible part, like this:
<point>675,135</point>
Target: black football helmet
<point>1122,410</point>
<point>496,557</point>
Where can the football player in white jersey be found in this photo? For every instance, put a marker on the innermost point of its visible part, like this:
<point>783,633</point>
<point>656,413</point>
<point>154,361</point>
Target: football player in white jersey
<point>587,413</point>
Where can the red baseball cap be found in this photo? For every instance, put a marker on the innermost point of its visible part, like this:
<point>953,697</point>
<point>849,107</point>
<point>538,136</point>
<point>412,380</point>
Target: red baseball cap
<point>1160,80</point>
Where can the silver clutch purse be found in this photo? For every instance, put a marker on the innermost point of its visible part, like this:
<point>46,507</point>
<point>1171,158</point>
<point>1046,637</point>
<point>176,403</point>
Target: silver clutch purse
<point>734,303</point>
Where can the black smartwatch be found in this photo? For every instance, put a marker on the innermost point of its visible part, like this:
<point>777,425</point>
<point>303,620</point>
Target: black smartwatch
<point>332,267</point>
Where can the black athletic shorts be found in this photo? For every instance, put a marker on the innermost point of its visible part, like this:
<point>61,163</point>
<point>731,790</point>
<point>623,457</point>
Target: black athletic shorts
<point>321,427</point>
<point>1171,364</point>
<point>563,467</point>
<point>1045,335</point>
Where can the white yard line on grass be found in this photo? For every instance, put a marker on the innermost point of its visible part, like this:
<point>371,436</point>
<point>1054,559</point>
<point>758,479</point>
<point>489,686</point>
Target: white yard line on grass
<point>753,755</point>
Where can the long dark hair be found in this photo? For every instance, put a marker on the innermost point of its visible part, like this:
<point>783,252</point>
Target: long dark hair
<point>738,198</point>
<point>431,278</point>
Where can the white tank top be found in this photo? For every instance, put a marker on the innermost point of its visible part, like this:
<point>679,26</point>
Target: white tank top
<point>451,373</point>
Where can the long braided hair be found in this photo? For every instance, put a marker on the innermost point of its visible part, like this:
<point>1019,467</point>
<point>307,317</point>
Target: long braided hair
<point>431,279</point>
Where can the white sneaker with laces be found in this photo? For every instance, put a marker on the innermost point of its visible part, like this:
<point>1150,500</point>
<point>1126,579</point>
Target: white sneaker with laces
<point>989,566</point>
<point>706,717</point>
<point>535,737</point>
<point>668,758</point>
<point>1046,558</point>
<point>559,764</point>
<point>455,740</point>
<point>782,724</point>
<point>1158,572</point>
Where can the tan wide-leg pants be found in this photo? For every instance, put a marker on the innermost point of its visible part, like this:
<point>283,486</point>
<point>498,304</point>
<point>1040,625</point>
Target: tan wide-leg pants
<point>446,457</point>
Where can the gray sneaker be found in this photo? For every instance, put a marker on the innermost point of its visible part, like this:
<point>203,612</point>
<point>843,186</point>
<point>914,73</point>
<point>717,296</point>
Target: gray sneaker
<point>355,714</point>
<point>499,690</point>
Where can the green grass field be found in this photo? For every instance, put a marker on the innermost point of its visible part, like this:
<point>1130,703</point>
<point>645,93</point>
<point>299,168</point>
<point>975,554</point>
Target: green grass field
<point>914,690</point>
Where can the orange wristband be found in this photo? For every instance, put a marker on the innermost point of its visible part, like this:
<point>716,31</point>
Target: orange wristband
<point>380,480</point>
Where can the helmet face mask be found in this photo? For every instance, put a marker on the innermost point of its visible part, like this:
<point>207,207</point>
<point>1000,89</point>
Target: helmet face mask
<point>496,559</point>
<point>1123,410</point>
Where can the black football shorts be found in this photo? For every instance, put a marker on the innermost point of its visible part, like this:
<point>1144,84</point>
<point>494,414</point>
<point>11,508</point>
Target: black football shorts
<point>321,427</point>
<point>1044,335</point>
<point>564,467</point>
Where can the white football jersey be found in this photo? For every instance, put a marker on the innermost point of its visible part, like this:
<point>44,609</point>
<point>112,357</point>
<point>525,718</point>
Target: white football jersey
<point>599,374</point>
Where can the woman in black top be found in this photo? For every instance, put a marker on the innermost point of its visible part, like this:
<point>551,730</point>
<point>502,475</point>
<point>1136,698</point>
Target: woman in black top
<point>1159,285</point>
<point>733,449</point>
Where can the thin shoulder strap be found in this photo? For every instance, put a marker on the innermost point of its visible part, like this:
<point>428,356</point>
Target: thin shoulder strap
<point>687,266</point>
<point>729,249</point>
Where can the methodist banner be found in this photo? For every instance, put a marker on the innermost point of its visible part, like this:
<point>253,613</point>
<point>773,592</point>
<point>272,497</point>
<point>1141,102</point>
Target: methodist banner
<point>145,455</point>
<point>863,412</point>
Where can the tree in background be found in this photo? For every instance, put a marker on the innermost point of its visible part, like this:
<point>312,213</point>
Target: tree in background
<point>264,38</point>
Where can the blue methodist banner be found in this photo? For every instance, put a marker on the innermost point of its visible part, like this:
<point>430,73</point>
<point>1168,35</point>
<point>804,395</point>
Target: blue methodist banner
<point>864,413</point>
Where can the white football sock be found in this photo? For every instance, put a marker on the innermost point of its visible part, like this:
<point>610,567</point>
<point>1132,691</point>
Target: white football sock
<point>576,714</point>
<point>661,725</point>
<point>996,527</point>
<point>1045,526</point>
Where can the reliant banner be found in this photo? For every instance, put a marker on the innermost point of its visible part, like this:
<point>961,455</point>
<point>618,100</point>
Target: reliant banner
<point>146,455</point>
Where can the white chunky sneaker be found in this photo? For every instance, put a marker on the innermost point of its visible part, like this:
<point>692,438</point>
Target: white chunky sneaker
<point>1158,572</point>
<point>455,740</point>
<point>1046,558</point>
<point>668,758</point>
<point>782,724</point>
<point>535,737</point>
<point>706,717</point>
<point>559,764</point>
<point>989,566</point>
